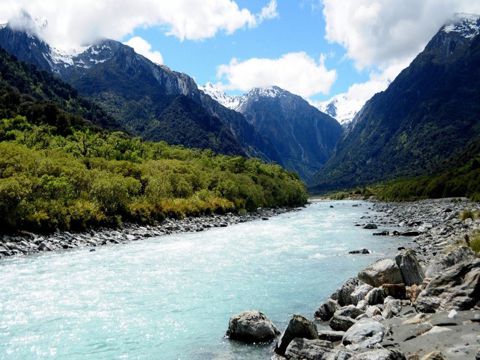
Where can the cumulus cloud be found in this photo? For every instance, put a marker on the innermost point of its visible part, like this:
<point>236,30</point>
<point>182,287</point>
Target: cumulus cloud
<point>143,47</point>
<point>296,72</point>
<point>387,32</point>
<point>81,22</point>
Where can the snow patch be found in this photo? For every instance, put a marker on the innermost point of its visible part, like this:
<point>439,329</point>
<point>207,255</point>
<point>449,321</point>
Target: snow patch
<point>217,94</point>
<point>467,25</point>
<point>340,107</point>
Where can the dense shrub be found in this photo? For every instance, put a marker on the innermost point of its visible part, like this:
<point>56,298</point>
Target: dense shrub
<point>90,178</point>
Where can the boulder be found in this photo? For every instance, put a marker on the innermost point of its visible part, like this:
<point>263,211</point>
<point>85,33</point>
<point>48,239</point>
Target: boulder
<point>375,296</point>
<point>391,307</point>
<point>359,293</point>
<point>457,287</point>
<point>350,311</point>
<point>364,334</point>
<point>251,326</point>
<point>343,295</point>
<point>373,311</point>
<point>305,349</point>
<point>326,310</point>
<point>331,335</point>
<point>398,291</point>
<point>412,272</point>
<point>370,227</point>
<point>341,323</point>
<point>361,251</point>
<point>381,272</point>
<point>454,257</point>
<point>379,354</point>
<point>298,327</point>
<point>362,305</point>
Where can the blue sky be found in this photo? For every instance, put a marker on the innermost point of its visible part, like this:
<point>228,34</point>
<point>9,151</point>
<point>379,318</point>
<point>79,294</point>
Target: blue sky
<point>299,26</point>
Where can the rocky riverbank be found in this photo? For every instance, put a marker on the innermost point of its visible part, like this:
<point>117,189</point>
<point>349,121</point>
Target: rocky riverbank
<point>28,243</point>
<point>424,304</point>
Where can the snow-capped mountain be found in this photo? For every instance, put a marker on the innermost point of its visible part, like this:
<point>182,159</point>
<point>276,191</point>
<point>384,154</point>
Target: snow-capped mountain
<point>427,115</point>
<point>217,94</point>
<point>466,25</point>
<point>341,107</point>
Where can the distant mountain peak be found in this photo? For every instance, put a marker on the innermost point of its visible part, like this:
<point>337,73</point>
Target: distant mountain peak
<point>269,91</point>
<point>217,94</point>
<point>467,25</point>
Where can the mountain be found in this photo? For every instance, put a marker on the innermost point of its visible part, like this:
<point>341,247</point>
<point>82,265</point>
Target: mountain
<point>341,107</point>
<point>147,99</point>
<point>428,114</point>
<point>41,97</point>
<point>303,136</point>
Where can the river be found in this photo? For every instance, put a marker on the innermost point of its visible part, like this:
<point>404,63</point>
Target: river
<point>171,297</point>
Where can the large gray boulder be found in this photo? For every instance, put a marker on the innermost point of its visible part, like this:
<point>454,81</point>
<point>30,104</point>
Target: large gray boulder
<point>453,258</point>
<point>341,323</point>
<point>305,349</point>
<point>365,333</point>
<point>251,326</point>
<point>381,272</point>
<point>350,310</point>
<point>326,310</point>
<point>343,295</point>
<point>375,296</point>
<point>412,272</point>
<point>359,293</point>
<point>457,287</point>
<point>391,307</point>
<point>298,327</point>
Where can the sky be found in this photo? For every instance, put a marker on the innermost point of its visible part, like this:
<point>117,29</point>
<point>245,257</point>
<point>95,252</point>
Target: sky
<point>313,48</point>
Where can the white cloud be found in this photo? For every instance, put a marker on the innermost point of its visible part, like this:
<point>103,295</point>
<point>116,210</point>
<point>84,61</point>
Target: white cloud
<point>268,12</point>
<point>388,32</point>
<point>295,72</point>
<point>81,22</point>
<point>142,47</point>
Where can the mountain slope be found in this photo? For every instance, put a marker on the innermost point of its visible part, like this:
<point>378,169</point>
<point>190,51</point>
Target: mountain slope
<point>303,136</point>
<point>37,94</point>
<point>428,114</point>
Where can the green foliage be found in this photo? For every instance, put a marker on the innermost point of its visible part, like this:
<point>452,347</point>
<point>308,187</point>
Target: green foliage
<point>475,242</point>
<point>87,178</point>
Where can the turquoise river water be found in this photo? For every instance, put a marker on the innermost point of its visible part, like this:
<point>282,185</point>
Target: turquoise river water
<point>171,297</point>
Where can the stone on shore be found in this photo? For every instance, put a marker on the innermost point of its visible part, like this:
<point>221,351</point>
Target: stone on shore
<point>331,335</point>
<point>341,323</point>
<point>370,227</point>
<point>305,349</point>
<point>379,354</point>
<point>350,311</point>
<point>454,257</point>
<point>251,326</point>
<point>326,310</point>
<point>412,272</point>
<point>457,287</point>
<point>298,327</point>
<point>365,333</point>
<point>343,295</point>
<point>375,296</point>
<point>360,293</point>
<point>383,271</point>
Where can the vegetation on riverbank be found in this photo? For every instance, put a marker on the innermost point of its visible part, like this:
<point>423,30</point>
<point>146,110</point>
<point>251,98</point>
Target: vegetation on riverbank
<point>457,181</point>
<point>80,178</point>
